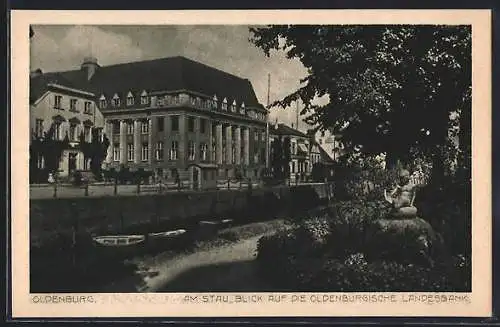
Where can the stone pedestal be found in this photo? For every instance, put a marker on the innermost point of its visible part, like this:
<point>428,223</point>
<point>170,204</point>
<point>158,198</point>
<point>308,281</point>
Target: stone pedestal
<point>410,240</point>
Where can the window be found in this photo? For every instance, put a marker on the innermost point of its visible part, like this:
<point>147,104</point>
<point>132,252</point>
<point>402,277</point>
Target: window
<point>57,101</point>
<point>88,107</point>
<point>130,152</point>
<point>263,135</point>
<point>145,127</point>
<point>224,104</point>
<point>39,128</point>
<point>130,128</point>
<point>223,152</point>
<point>130,100</point>
<point>214,102</point>
<point>116,101</point>
<point>72,132</point>
<point>174,120</point>
<point>214,150</point>
<point>233,154</point>
<point>191,150</point>
<point>40,162</point>
<point>160,121</point>
<point>145,152</point>
<point>86,133</point>
<point>99,134</point>
<point>116,152</point>
<point>173,150</point>
<point>294,148</point>
<point>102,101</point>
<point>242,109</point>
<point>144,98</point>
<point>190,124</point>
<point>203,151</point>
<point>72,105</point>
<point>203,126</point>
<point>159,151</point>
<point>116,127</point>
<point>233,106</point>
<point>256,135</point>
<point>57,131</point>
<point>293,166</point>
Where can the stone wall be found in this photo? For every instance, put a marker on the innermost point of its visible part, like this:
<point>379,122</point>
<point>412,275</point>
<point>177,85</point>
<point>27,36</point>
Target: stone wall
<point>101,215</point>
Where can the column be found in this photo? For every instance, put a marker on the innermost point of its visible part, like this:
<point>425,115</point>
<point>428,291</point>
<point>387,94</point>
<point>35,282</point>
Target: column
<point>229,144</point>
<point>150,141</point>
<point>246,146</point>
<point>123,142</point>
<point>218,143</point>
<point>237,140</point>
<point>137,141</point>
<point>182,142</point>
<point>109,135</point>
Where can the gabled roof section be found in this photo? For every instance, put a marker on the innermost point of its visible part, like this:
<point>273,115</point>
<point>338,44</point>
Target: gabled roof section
<point>74,79</point>
<point>285,130</point>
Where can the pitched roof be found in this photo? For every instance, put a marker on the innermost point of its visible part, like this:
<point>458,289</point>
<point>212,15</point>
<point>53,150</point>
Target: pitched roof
<point>165,74</point>
<point>325,156</point>
<point>282,129</point>
<point>39,84</point>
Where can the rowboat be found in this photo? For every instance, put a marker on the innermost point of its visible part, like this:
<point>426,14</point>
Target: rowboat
<point>119,240</point>
<point>226,221</point>
<point>209,222</point>
<point>166,234</point>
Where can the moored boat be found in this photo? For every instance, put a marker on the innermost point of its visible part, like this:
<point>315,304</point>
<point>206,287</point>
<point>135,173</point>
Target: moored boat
<point>119,240</point>
<point>167,234</point>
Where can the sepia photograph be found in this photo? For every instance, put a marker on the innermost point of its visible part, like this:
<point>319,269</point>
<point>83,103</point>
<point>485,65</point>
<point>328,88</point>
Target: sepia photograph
<point>232,160</point>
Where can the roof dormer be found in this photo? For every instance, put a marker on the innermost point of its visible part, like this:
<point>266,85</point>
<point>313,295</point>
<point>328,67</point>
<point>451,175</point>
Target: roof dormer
<point>130,99</point>
<point>116,100</point>
<point>224,104</point>
<point>102,101</point>
<point>144,97</point>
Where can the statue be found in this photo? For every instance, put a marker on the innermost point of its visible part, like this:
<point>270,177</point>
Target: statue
<point>402,197</point>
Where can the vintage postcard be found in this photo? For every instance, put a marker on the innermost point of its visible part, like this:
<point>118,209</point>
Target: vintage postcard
<point>251,163</point>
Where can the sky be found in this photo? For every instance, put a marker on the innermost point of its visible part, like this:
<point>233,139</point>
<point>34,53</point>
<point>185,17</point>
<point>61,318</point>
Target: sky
<point>226,47</point>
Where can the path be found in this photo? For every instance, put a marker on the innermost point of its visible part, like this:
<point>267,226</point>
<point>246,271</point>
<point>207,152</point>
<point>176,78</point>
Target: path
<point>227,268</point>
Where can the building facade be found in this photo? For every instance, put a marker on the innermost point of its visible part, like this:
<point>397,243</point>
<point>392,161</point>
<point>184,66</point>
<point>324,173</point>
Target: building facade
<point>55,103</point>
<point>300,152</point>
<point>166,115</point>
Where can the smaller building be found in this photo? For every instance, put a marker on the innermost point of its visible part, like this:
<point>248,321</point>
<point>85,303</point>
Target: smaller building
<point>66,112</point>
<point>300,159</point>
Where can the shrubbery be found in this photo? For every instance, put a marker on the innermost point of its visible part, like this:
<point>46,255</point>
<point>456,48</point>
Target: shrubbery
<point>326,251</point>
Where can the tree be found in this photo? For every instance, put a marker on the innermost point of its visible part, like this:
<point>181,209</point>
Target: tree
<point>95,150</point>
<point>389,88</point>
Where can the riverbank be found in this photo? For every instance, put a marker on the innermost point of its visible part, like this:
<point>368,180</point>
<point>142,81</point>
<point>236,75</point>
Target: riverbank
<point>208,262</point>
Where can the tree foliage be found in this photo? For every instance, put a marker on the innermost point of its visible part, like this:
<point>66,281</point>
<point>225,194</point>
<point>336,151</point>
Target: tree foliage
<point>280,157</point>
<point>389,88</point>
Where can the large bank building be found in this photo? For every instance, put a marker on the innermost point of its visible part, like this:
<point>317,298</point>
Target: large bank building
<point>166,115</point>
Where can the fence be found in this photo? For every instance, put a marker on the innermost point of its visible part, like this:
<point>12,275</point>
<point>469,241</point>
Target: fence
<point>66,190</point>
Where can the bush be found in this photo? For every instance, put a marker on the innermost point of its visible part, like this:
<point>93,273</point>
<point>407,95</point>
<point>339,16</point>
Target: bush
<point>326,251</point>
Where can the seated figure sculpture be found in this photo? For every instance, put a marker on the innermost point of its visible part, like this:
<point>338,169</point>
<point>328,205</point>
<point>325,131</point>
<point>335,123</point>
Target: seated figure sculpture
<point>402,197</point>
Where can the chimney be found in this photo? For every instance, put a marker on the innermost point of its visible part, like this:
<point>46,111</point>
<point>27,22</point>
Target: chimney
<point>36,72</point>
<point>90,65</point>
